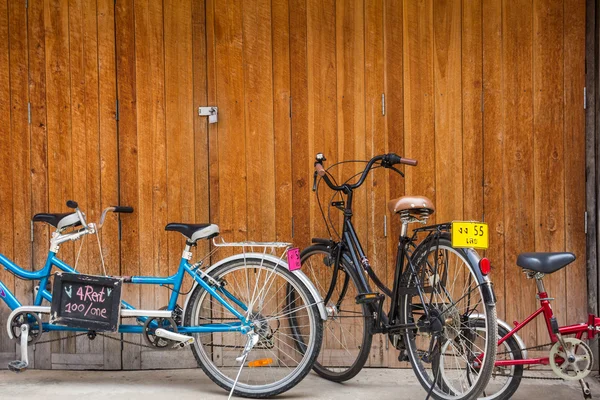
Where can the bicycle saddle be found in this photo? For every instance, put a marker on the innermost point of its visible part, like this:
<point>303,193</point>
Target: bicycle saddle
<point>546,263</point>
<point>58,220</point>
<point>194,232</point>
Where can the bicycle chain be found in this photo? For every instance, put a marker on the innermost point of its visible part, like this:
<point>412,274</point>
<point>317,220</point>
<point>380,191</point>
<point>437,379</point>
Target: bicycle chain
<point>529,368</point>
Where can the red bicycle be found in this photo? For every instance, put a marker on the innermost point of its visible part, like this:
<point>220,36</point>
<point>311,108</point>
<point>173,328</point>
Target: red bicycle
<point>570,358</point>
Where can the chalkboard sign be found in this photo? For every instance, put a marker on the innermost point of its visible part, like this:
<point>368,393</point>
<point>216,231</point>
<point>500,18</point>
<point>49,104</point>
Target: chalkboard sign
<point>86,301</point>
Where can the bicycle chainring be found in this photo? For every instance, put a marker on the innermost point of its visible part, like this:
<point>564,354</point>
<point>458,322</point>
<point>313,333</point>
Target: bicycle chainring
<point>32,320</point>
<point>573,363</point>
<point>152,339</point>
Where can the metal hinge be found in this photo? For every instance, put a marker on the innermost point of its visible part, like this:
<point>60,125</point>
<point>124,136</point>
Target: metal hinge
<point>29,113</point>
<point>382,103</point>
<point>117,110</point>
<point>584,98</point>
<point>385,226</point>
<point>585,222</point>
<point>211,112</point>
<point>31,238</point>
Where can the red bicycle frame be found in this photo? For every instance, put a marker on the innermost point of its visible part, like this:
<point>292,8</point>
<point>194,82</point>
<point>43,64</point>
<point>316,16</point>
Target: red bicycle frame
<point>591,327</point>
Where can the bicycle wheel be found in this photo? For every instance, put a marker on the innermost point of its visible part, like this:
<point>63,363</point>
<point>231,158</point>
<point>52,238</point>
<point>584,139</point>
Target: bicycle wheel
<point>274,365</point>
<point>505,380</point>
<point>346,334</point>
<point>452,293</point>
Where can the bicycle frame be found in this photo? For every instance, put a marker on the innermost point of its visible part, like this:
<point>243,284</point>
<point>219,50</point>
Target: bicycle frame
<point>591,328</point>
<point>219,293</point>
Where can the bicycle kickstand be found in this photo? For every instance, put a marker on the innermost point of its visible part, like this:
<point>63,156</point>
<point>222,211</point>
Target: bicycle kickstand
<point>585,388</point>
<point>22,364</point>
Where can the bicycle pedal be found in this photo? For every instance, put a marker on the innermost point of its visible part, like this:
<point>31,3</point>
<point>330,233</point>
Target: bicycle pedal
<point>17,366</point>
<point>369,298</point>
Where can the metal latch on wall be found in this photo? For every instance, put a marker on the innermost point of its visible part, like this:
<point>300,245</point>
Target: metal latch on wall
<point>210,112</point>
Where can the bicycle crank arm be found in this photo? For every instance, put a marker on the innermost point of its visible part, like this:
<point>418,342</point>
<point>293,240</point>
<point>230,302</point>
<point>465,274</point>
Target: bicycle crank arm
<point>182,340</point>
<point>22,364</point>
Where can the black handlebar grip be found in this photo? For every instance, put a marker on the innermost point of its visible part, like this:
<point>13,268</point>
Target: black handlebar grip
<point>72,204</point>
<point>394,159</point>
<point>123,209</point>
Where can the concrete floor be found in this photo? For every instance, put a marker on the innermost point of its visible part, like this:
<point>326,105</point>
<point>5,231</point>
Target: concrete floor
<point>373,384</point>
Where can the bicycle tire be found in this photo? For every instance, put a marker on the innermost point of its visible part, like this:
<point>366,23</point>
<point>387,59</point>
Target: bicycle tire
<point>207,359</point>
<point>435,388</point>
<point>320,367</point>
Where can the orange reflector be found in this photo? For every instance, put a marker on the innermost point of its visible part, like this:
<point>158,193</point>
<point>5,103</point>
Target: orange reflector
<point>260,363</point>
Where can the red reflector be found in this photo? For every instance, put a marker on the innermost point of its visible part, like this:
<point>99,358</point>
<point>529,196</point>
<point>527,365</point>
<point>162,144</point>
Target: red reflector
<point>485,266</point>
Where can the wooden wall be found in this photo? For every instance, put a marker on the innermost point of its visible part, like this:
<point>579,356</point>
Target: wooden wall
<point>486,94</point>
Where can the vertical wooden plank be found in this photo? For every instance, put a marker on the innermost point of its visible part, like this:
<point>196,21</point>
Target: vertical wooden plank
<point>128,162</point>
<point>418,97</point>
<point>302,159</point>
<point>200,98</point>
<point>179,120</point>
<point>376,143</point>
<point>232,142</point>
<point>472,112</point>
<point>213,129</point>
<point>394,127</point>
<point>448,109</point>
<point>151,142</point>
<point>321,99</point>
<point>83,68</point>
<point>282,123</point>
<point>518,156</point>
<point>350,67</point>
<point>548,129</point>
<point>258,107</point>
<point>60,161</point>
<point>39,148</point>
<point>109,178</point>
<point>574,150</point>
<point>493,148</point>
<point>6,184</point>
<point>20,146</point>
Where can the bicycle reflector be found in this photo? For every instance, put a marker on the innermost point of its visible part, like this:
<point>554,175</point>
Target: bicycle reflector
<point>263,362</point>
<point>485,266</point>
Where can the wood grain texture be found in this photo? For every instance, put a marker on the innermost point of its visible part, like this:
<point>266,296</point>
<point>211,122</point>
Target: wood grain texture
<point>419,97</point>
<point>39,147</point>
<point>376,143</point>
<point>518,157</point>
<point>574,156</point>
<point>448,141</point>
<point>258,110</point>
<point>282,122</point>
<point>6,198</point>
<point>109,162</point>
<point>128,163</point>
<point>548,128</point>
<point>472,109</point>
<point>493,145</point>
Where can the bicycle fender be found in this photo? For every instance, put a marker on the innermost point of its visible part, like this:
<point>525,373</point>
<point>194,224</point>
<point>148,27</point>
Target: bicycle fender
<point>275,260</point>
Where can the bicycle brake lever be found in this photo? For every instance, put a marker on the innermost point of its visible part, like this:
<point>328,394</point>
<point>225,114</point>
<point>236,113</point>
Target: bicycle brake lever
<point>314,189</point>
<point>397,170</point>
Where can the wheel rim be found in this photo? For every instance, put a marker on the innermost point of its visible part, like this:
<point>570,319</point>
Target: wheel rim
<point>459,343</point>
<point>494,389</point>
<point>275,360</point>
<point>344,330</point>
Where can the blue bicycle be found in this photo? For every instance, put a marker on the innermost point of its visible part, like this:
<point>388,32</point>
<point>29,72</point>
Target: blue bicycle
<point>237,318</point>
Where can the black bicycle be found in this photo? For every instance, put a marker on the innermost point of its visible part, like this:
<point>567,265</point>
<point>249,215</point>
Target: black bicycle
<point>440,299</point>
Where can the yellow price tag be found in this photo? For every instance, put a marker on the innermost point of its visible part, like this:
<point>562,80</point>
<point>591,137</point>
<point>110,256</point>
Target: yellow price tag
<point>470,234</point>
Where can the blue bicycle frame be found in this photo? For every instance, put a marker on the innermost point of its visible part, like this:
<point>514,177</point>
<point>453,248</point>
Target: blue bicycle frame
<point>219,293</point>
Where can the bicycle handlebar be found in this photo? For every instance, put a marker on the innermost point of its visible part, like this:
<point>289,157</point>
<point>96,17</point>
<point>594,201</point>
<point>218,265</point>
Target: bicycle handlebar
<point>387,161</point>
